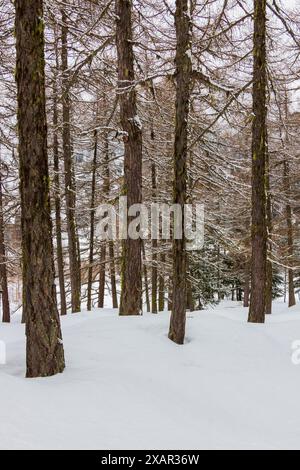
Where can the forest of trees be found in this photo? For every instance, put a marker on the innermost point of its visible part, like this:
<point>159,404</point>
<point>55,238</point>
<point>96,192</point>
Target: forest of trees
<point>171,102</point>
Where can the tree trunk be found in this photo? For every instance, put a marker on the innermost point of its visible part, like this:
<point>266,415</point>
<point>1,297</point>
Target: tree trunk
<point>269,283</point>
<point>290,237</point>
<point>146,280</point>
<point>183,90</point>
<point>131,298</point>
<point>3,261</point>
<point>70,186</point>
<point>259,136</point>
<point>101,292</point>
<point>59,247</point>
<point>45,354</point>
<point>92,225</point>
<point>170,294</point>
<point>161,285</point>
<point>154,249</point>
<point>113,280</point>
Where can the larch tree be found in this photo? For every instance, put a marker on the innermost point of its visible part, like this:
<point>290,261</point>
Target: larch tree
<point>259,149</point>
<point>70,185</point>
<point>3,259</point>
<point>131,295</point>
<point>45,353</point>
<point>183,91</point>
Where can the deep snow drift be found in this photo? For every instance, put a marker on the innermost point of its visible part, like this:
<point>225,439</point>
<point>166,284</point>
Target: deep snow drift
<point>232,385</point>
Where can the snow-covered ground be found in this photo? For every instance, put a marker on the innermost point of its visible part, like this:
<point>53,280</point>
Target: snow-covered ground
<point>126,386</point>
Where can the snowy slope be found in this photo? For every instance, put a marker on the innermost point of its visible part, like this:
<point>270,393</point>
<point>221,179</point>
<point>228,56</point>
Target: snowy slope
<point>232,385</point>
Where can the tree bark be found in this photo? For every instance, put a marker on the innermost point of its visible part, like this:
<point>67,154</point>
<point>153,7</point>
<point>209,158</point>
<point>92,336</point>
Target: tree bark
<point>183,90</point>
<point>3,261</point>
<point>92,225</point>
<point>101,292</point>
<point>290,237</point>
<point>146,282</point>
<point>45,354</point>
<point>269,273</point>
<point>113,280</point>
<point>70,186</point>
<point>161,285</point>
<point>259,137</point>
<point>131,297</point>
<point>154,308</point>
<point>59,247</point>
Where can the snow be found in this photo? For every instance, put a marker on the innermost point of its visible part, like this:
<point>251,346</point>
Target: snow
<point>137,122</point>
<point>231,386</point>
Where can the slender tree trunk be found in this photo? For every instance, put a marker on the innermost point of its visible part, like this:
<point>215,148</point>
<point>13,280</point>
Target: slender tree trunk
<point>146,280</point>
<point>170,294</point>
<point>183,90</point>
<point>161,285</point>
<point>290,237</point>
<point>259,137</point>
<point>190,299</point>
<point>101,292</point>
<point>70,186</point>
<point>113,280</point>
<point>131,298</point>
<point>59,246</point>
<point>45,354</point>
<point>154,249</point>
<point>3,261</point>
<point>269,283</point>
<point>92,225</point>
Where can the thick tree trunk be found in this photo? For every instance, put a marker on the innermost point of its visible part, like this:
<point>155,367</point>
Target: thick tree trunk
<point>59,246</point>
<point>92,225</point>
<point>290,237</point>
<point>131,298</point>
<point>45,354</point>
<point>70,186</point>
<point>183,90</point>
<point>3,261</point>
<point>259,137</point>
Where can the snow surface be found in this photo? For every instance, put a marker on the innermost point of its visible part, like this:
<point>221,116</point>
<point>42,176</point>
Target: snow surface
<point>232,386</point>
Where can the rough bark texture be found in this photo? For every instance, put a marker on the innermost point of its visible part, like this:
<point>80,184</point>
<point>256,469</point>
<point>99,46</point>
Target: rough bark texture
<point>59,246</point>
<point>183,90</point>
<point>3,260</point>
<point>290,237</point>
<point>45,354</point>
<point>259,135</point>
<point>70,187</point>
<point>92,225</point>
<point>131,297</point>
